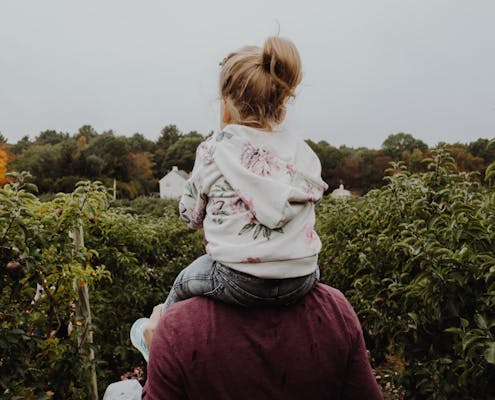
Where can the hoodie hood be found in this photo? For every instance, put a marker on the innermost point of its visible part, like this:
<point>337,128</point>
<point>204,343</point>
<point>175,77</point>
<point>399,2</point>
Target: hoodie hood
<point>273,173</point>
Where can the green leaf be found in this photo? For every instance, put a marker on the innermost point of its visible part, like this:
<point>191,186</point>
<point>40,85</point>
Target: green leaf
<point>489,353</point>
<point>455,331</point>
<point>480,321</point>
<point>490,172</point>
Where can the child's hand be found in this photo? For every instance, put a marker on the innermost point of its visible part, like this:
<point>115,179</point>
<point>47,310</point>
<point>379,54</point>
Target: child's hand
<point>149,328</point>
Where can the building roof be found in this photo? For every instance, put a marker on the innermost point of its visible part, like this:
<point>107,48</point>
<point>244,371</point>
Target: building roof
<point>179,172</point>
<point>182,173</point>
<point>341,192</point>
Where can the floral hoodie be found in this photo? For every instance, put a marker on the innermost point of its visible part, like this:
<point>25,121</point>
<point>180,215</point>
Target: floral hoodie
<point>254,193</point>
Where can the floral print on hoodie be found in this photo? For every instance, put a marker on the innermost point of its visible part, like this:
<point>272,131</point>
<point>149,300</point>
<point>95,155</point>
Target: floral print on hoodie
<point>254,193</point>
<point>258,160</point>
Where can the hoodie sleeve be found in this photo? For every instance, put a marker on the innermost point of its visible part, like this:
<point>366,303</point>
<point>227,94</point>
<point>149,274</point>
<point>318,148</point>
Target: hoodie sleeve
<point>192,206</point>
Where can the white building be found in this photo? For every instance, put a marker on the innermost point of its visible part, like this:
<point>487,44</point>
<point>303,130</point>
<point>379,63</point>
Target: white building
<point>172,184</point>
<point>340,192</point>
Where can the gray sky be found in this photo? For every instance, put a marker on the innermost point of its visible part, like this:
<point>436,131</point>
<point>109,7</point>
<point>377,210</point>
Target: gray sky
<point>371,68</point>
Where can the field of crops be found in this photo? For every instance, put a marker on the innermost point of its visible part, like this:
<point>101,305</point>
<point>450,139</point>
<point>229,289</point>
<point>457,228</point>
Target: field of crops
<point>416,259</point>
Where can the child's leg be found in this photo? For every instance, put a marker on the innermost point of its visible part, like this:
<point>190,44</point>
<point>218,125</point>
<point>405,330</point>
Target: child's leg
<point>249,291</point>
<point>195,280</point>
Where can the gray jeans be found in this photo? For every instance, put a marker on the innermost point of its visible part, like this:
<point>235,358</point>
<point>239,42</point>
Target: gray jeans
<point>206,277</point>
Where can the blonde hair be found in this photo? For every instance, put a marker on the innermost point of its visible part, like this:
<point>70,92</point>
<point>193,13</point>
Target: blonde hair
<point>257,82</point>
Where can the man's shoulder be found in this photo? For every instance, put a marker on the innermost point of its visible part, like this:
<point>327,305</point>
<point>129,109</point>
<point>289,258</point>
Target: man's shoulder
<point>328,291</point>
<point>321,296</point>
<point>324,308</point>
<point>329,298</point>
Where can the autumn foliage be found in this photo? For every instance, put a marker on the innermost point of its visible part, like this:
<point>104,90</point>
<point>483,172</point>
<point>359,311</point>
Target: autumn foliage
<point>5,158</point>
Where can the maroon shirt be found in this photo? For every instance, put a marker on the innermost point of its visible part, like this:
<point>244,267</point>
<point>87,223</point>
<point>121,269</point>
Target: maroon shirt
<point>204,349</point>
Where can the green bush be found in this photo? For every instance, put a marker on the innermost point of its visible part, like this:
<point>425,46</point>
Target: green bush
<point>150,206</point>
<point>35,248</point>
<point>129,262</point>
<point>144,254</point>
<point>417,261</point>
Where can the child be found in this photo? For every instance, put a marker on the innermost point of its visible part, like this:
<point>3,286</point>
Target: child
<point>252,189</point>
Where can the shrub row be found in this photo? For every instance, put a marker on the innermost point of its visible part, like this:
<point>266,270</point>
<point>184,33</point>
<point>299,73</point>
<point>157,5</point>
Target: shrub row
<point>417,261</point>
<point>128,262</point>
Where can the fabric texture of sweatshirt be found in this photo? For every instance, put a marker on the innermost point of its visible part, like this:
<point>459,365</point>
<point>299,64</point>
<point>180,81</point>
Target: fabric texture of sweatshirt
<point>254,193</point>
<point>314,349</point>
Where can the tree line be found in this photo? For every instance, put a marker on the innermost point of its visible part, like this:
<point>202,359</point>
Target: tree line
<point>363,169</point>
<point>58,160</point>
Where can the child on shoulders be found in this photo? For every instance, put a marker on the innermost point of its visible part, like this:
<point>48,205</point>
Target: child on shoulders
<point>253,190</point>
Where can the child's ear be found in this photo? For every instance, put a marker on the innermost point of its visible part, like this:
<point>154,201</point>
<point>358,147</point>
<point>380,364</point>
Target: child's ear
<point>226,115</point>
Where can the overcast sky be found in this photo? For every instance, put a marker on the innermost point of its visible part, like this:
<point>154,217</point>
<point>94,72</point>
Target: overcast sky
<point>371,68</point>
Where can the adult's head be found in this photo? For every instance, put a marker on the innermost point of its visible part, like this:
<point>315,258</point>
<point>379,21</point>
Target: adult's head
<point>204,349</point>
<point>255,83</point>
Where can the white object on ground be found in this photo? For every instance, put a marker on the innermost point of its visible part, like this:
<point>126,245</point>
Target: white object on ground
<point>129,389</point>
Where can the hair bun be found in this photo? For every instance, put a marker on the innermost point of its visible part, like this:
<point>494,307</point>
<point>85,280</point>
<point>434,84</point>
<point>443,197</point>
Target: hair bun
<point>280,58</point>
<point>266,60</point>
<point>255,83</point>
